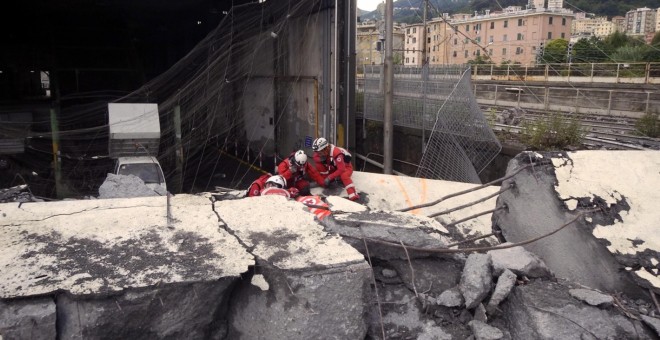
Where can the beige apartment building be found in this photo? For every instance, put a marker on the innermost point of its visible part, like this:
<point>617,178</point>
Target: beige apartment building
<point>369,51</point>
<point>414,45</point>
<point>600,27</point>
<point>513,35</point>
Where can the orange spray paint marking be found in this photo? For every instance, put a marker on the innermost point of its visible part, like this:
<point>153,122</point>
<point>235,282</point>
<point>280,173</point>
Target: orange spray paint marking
<point>405,195</point>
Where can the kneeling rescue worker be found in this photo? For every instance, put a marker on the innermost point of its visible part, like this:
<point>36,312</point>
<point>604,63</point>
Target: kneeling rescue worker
<point>333,162</point>
<point>294,168</point>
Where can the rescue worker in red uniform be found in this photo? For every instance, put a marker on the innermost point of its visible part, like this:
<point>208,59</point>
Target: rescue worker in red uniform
<point>333,162</point>
<point>276,185</point>
<point>260,185</point>
<point>294,168</point>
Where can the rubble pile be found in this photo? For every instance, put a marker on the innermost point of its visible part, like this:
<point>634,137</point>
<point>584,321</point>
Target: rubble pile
<point>20,193</point>
<point>126,186</point>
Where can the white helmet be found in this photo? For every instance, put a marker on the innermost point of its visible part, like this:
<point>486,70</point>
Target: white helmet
<point>300,158</point>
<point>277,180</point>
<point>319,144</point>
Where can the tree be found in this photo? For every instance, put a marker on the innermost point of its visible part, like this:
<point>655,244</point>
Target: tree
<point>590,50</point>
<point>656,39</point>
<point>555,51</point>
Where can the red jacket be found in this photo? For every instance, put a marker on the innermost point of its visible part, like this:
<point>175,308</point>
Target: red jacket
<point>335,164</point>
<point>293,174</point>
<point>258,185</point>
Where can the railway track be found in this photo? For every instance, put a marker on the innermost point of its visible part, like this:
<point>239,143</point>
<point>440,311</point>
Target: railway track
<point>602,139</point>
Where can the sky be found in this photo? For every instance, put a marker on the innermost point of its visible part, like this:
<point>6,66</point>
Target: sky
<point>368,5</point>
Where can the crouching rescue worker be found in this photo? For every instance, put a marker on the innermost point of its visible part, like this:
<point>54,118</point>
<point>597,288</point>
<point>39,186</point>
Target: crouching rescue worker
<point>294,168</point>
<point>333,162</point>
<point>271,185</point>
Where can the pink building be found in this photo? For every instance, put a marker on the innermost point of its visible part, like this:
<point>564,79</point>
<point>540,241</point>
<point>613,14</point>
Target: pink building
<point>513,35</point>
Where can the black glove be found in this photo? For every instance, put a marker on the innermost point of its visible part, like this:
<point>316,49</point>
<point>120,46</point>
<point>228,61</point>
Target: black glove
<point>326,182</point>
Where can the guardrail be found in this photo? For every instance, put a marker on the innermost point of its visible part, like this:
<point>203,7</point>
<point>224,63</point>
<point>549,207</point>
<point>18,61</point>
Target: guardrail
<point>621,73</point>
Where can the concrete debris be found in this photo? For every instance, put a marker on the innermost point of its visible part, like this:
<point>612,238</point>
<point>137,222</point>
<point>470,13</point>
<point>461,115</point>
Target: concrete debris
<point>653,323</point>
<point>121,186</point>
<point>28,319</point>
<point>505,283</point>
<point>389,273</point>
<point>592,297</point>
<point>519,261</point>
<point>545,310</point>
<point>450,298</point>
<point>20,193</point>
<point>484,332</point>
<point>259,281</point>
<point>534,209</point>
<point>480,313</point>
<point>425,274</point>
<point>476,280</point>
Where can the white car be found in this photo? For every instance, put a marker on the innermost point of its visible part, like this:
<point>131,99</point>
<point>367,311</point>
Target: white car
<point>146,168</point>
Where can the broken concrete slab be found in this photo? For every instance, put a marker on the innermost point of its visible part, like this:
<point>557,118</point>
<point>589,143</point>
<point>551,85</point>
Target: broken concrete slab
<point>450,298</point>
<point>519,261</point>
<point>592,297</point>
<point>186,310</point>
<point>317,282</point>
<point>32,318</point>
<point>394,227</point>
<point>483,331</point>
<point>105,246</point>
<point>534,209</point>
<point>476,279</point>
<point>391,193</point>
<point>480,313</point>
<point>505,283</point>
<point>545,310</point>
<point>627,183</point>
<point>653,323</point>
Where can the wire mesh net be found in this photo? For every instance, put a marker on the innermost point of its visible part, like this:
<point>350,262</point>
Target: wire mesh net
<point>461,143</point>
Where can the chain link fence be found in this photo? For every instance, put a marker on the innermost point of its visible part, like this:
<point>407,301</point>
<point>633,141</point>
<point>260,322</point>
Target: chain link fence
<point>440,101</point>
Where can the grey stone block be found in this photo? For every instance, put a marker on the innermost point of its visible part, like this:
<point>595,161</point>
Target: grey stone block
<point>519,261</point>
<point>592,297</point>
<point>503,287</point>
<point>310,304</point>
<point>476,279</point>
<point>28,319</point>
<point>450,298</point>
<point>174,311</point>
<point>482,331</point>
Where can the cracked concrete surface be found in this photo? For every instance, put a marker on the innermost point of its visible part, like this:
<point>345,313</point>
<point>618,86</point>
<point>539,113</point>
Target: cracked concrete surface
<point>102,246</point>
<point>624,181</point>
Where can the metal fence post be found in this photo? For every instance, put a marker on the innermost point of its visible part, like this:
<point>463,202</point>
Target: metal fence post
<point>609,103</point>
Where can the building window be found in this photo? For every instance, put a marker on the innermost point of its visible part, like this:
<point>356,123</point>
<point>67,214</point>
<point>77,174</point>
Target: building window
<point>466,53</point>
<point>413,60</point>
<point>549,35</point>
<point>520,36</point>
<point>428,40</point>
<point>455,41</point>
<point>414,40</point>
<point>428,30</point>
<point>563,35</point>
<point>505,38</point>
<point>467,28</point>
<point>504,51</point>
<point>455,55</point>
<point>408,41</point>
<point>520,22</point>
<point>478,53</point>
<point>414,29</point>
<point>519,50</point>
<point>492,25</point>
<point>490,52</point>
<point>563,21</point>
<point>506,23</point>
<point>408,31</point>
<point>490,39</point>
<point>407,60</point>
<point>550,20</point>
<point>478,39</point>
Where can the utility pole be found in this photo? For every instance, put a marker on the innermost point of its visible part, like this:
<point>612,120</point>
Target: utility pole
<point>425,77</point>
<point>388,133</point>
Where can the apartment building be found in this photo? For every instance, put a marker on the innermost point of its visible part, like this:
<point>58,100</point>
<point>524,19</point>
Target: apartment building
<point>414,45</point>
<point>511,35</point>
<point>641,21</point>
<point>369,48</point>
<point>600,27</point>
<point>619,23</point>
